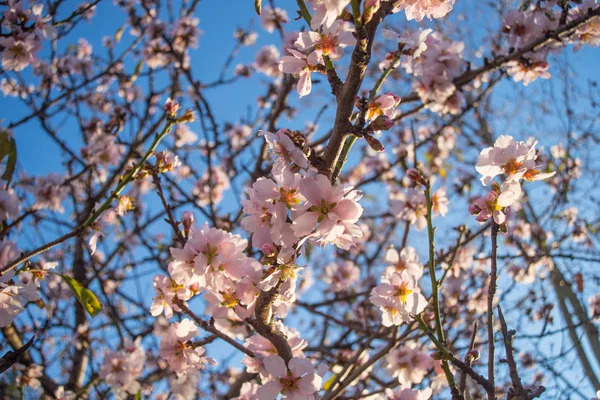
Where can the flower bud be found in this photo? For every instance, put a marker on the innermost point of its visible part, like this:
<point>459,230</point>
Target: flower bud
<point>171,108</point>
<point>187,220</point>
<point>374,143</point>
<point>473,355</point>
<point>381,123</point>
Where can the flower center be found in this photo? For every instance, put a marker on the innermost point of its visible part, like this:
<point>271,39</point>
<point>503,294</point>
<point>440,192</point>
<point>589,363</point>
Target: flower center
<point>511,167</point>
<point>402,291</point>
<point>229,300</point>
<point>327,44</point>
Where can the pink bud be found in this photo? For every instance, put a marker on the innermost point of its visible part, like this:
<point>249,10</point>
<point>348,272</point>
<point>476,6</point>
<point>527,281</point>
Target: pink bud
<point>374,143</point>
<point>171,108</point>
<point>381,123</point>
<point>187,219</point>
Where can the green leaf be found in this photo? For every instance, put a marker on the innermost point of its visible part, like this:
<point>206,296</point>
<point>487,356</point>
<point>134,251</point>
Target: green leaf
<point>138,395</point>
<point>11,163</point>
<point>119,34</point>
<point>86,297</point>
<point>329,382</point>
<point>8,148</point>
<point>258,6</point>
<point>138,69</point>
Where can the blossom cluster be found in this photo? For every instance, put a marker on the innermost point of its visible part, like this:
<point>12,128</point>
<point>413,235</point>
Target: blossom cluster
<point>435,69</point>
<point>313,49</point>
<point>27,27</point>
<point>515,161</point>
<point>121,369</point>
<point>523,27</point>
<point>398,296</point>
<point>16,290</point>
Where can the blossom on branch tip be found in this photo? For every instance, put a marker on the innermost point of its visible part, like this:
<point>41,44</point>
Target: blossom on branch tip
<point>330,42</point>
<point>302,66</point>
<point>398,297</point>
<point>326,12</point>
<point>295,381</point>
<point>419,9</point>
<point>286,153</point>
<point>332,210</point>
<point>181,354</point>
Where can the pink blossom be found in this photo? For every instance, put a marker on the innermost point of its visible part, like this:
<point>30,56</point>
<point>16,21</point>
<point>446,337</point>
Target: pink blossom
<point>588,33</point>
<point>125,204</point>
<point>121,369</point>
<point>43,25</point>
<point>284,151</point>
<point>49,193</point>
<point>211,186</point>
<point>273,18</point>
<point>167,291</point>
<point>209,251</point>
<point>398,297</point>
<point>384,104</point>
<point>493,203</point>
<point>238,135</point>
<point>11,304</point>
<point>413,43</point>
<point>295,381</point>
<point>298,64</point>
<point>406,260</point>
<point>529,70</point>
<point>249,391</point>
<point>507,156</point>
<point>267,209</point>
<point>330,42</point>
<point>408,363</point>
<point>341,275</point>
<point>267,61</point>
<point>514,159</point>
<point>9,204</point>
<point>30,375</point>
<point>102,149</point>
<point>18,53</point>
<point>408,394</point>
<point>166,161</point>
<point>410,206</point>
<point>418,9</point>
<point>184,135</point>
<point>331,210</point>
<point>326,12</point>
<point>179,351</point>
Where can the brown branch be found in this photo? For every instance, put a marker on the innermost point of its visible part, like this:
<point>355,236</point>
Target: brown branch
<point>517,391</point>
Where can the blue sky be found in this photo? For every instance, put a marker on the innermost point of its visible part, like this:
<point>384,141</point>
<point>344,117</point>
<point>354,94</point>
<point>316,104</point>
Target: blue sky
<point>218,20</point>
